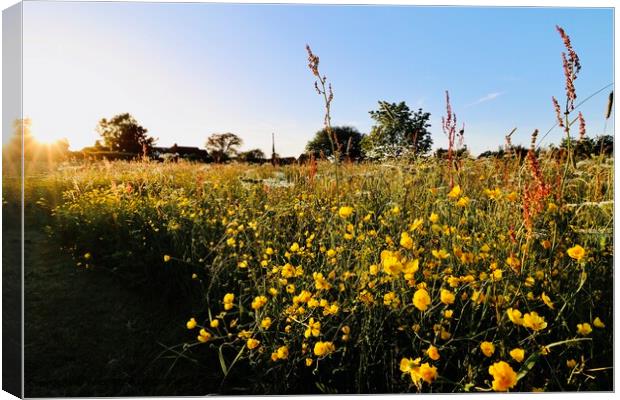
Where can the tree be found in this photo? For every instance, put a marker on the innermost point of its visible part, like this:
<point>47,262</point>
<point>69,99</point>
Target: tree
<point>123,133</point>
<point>586,146</point>
<point>222,146</point>
<point>252,156</point>
<point>349,138</point>
<point>398,132</point>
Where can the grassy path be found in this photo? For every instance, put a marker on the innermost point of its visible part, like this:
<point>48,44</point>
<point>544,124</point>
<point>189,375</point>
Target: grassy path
<point>88,334</point>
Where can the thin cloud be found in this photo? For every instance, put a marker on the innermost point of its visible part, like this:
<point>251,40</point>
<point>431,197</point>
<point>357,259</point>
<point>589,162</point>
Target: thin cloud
<point>488,97</point>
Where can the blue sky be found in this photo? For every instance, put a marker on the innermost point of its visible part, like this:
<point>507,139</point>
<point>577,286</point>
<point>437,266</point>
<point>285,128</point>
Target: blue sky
<point>186,71</point>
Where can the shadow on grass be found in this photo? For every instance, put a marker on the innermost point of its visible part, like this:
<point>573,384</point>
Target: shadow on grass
<point>87,333</point>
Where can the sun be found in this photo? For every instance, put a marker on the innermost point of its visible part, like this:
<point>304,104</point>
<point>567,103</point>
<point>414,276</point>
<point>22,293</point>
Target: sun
<point>41,136</point>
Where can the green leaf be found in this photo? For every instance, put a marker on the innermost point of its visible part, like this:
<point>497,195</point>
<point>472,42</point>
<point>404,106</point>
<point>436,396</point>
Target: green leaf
<point>222,362</point>
<point>528,365</point>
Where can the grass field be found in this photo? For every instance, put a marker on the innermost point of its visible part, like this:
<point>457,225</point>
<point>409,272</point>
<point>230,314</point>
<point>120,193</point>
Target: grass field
<point>149,278</point>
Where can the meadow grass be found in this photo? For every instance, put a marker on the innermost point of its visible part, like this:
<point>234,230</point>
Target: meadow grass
<point>385,280</point>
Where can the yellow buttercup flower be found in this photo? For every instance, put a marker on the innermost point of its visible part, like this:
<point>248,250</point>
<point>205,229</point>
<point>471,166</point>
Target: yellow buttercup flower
<point>416,224</point>
<point>576,252</point>
<point>494,194</point>
<point>434,218</point>
<point>258,302</point>
<point>281,353</point>
<point>294,247</point>
<point>314,328</point>
<point>426,372</point>
<point>214,323</point>
<point>584,329</point>
<point>463,201</point>
<point>265,323</point>
<point>440,254</point>
<point>421,299</point>
<point>191,324</point>
<point>345,211</point>
<point>406,241</point>
<point>513,262</point>
<point>487,348</point>
<point>512,196</point>
<point>323,348</point>
<point>203,336</point>
<point>504,377</point>
<point>433,353</point>
<point>320,282</point>
<point>391,262</point>
<point>447,297</point>
<point>252,343</point>
<point>167,258</point>
<point>534,321</point>
<point>229,299</point>
<point>518,354</point>
<point>455,192</point>
<point>547,300</point>
<point>598,323</point>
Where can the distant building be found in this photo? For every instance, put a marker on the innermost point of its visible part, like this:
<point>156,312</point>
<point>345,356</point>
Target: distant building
<point>176,152</point>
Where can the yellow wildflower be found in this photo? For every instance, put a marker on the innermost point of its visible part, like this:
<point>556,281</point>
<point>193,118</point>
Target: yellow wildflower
<point>416,224</point>
<point>320,282</point>
<point>265,323</point>
<point>447,297</point>
<point>426,372</point>
<point>433,353</point>
<point>547,300</point>
<point>345,211</point>
<point>598,323</point>
<point>323,348</point>
<point>421,299</point>
<point>406,241</point>
<point>229,299</point>
<point>463,201</point>
<point>576,252</point>
<point>504,377</point>
<point>534,321</point>
<point>440,254</point>
<point>487,348</point>
<point>455,192</point>
<point>191,324</point>
<point>584,329</point>
<point>258,302</point>
<point>314,328</point>
<point>252,343</point>
<point>203,336</point>
<point>518,354</point>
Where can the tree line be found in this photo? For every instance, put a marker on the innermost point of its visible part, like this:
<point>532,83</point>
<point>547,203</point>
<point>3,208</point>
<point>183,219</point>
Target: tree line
<point>397,133</point>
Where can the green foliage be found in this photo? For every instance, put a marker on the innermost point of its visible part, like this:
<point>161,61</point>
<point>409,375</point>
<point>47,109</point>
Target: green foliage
<point>348,137</point>
<point>222,146</point>
<point>122,133</point>
<point>398,132</point>
<point>252,156</point>
<point>587,147</point>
